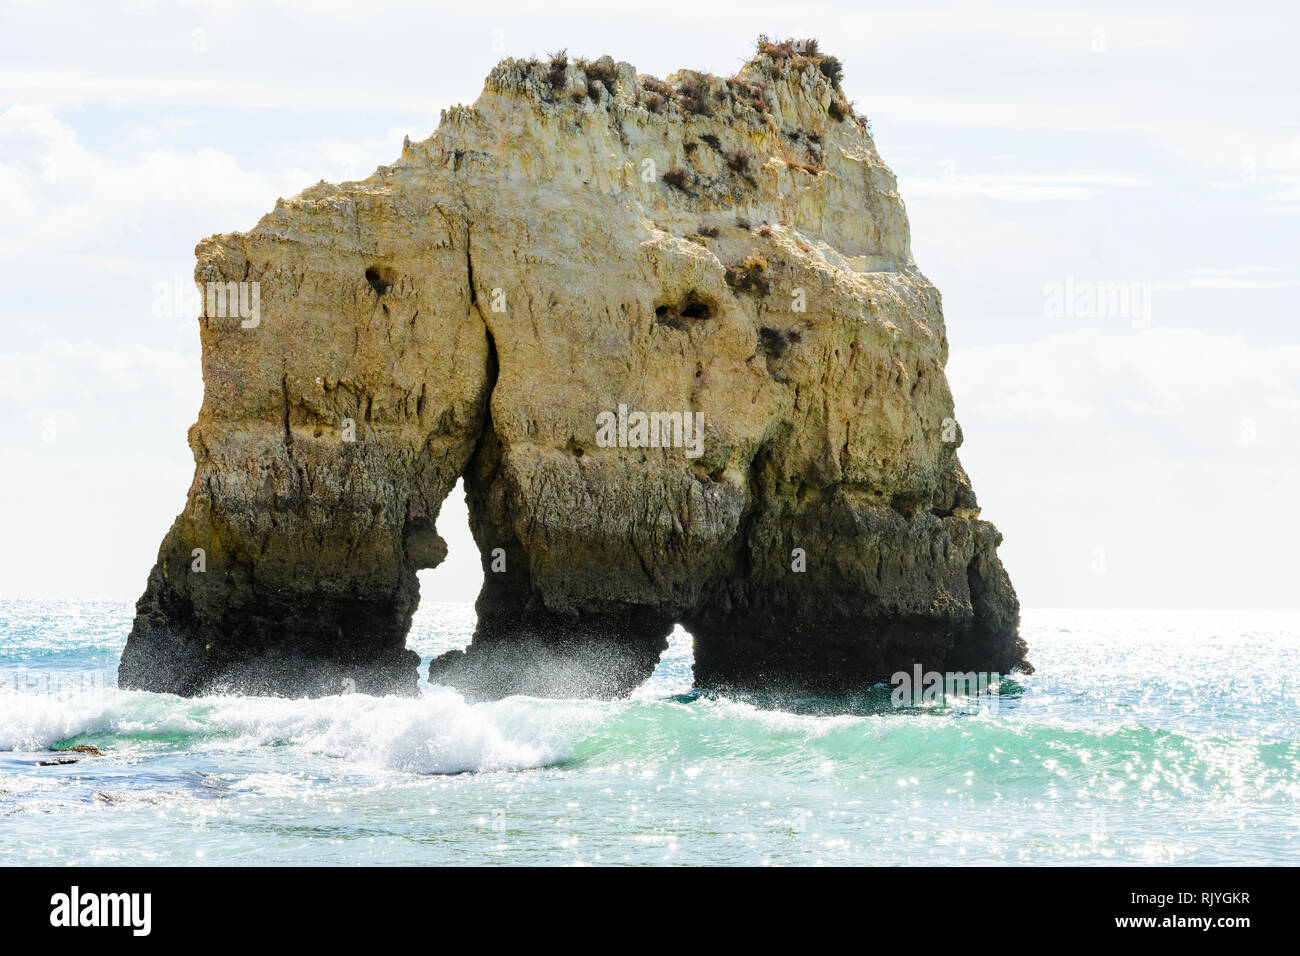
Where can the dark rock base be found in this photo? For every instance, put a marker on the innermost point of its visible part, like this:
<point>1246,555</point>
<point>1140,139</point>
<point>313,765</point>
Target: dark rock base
<point>551,655</point>
<point>308,645</point>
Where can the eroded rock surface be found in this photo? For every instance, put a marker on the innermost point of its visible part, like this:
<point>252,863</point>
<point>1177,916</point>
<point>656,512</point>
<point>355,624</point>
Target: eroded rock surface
<point>578,240</point>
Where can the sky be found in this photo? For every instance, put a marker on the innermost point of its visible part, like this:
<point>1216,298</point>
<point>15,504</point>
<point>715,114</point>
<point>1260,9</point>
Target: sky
<point>1106,194</point>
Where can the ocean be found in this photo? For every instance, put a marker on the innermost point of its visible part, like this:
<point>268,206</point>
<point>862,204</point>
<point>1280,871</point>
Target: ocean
<point>1144,737</point>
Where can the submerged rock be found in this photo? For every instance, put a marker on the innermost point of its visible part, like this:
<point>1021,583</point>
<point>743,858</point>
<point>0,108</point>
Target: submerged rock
<point>672,336</point>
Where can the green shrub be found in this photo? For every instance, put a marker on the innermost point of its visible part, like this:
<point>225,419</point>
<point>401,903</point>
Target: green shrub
<point>750,275</point>
<point>678,178</point>
<point>559,63</point>
<point>694,94</point>
<point>738,162</point>
<point>832,69</point>
<point>606,73</point>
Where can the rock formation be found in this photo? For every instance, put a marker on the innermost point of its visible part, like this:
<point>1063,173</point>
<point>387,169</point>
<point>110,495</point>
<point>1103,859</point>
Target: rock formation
<point>510,302</point>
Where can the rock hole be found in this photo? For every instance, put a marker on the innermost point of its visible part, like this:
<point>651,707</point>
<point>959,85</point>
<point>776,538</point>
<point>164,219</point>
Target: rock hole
<point>380,280</point>
<point>774,342</point>
<point>680,315</point>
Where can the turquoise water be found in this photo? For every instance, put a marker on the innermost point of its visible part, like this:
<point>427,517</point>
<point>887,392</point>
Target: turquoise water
<point>1144,737</point>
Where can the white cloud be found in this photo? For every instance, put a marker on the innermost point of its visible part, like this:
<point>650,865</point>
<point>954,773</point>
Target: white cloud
<point>87,234</point>
<point>1017,187</point>
<point>1171,450</point>
<point>58,194</point>
<point>348,159</point>
<point>96,464</point>
<point>69,88</point>
<point>1201,380</point>
<point>1239,277</point>
<point>97,398</point>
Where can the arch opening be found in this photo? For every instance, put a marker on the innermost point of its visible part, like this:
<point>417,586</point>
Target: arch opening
<point>675,672</point>
<point>444,619</point>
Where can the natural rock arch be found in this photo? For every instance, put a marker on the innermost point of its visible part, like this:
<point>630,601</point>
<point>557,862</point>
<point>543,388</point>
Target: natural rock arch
<point>584,242</point>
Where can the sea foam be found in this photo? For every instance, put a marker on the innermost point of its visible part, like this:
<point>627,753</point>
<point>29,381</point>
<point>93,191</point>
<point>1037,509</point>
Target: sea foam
<point>437,732</point>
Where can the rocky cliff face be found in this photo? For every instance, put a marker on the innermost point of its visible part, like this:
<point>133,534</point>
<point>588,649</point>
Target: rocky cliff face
<point>672,336</point>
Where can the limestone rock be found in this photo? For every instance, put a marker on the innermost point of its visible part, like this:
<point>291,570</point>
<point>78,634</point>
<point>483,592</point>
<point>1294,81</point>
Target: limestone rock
<point>580,246</point>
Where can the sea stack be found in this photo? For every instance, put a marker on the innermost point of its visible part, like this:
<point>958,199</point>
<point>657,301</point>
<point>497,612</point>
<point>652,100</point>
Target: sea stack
<point>670,334</point>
